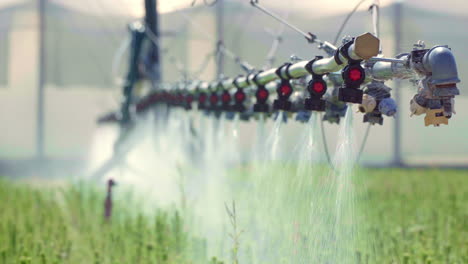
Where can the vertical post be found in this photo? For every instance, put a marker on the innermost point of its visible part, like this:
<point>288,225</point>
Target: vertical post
<point>220,37</point>
<point>41,80</point>
<point>152,23</point>
<point>397,159</point>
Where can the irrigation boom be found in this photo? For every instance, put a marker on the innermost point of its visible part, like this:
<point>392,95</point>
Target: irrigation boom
<point>364,47</point>
<point>434,68</point>
<point>356,70</point>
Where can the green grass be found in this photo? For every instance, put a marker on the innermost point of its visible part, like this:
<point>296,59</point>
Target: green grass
<point>417,216</point>
<point>387,216</point>
<point>65,225</point>
<point>408,216</point>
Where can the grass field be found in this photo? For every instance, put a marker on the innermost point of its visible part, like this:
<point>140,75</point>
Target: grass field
<point>418,216</point>
<point>66,225</point>
<point>412,216</point>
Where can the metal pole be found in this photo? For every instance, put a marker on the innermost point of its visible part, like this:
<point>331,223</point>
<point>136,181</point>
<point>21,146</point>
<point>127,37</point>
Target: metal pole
<point>41,80</point>
<point>220,36</point>
<point>154,63</point>
<point>152,22</point>
<point>397,160</point>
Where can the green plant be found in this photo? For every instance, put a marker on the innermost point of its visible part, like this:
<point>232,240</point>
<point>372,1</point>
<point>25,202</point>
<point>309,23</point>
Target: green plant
<point>236,233</point>
<point>65,225</point>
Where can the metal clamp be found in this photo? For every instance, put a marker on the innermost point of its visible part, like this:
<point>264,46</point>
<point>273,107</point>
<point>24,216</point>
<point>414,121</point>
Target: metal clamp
<point>234,82</point>
<point>285,66</point>
<point>309,67</point>
<point>344,51</point>
<point>254,79</point>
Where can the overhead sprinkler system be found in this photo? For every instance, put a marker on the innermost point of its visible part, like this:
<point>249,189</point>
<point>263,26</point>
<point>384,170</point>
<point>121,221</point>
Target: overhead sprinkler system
<point>355,68</point>
<point>354,72</point>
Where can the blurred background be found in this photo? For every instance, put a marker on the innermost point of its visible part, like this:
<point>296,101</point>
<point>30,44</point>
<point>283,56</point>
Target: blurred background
<point>82,38</point>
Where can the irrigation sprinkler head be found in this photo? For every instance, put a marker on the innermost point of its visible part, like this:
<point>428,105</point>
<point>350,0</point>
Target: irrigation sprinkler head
<point>179,99</point>
<point>226,101</point>
<point>261,95</point>
<point>284,88</point>
<point>168,98</point>
<point>202,99</point>
<point>188,101</point>
<point>353,76</point>
<point>438,87</point>
<point>214,104</point>
<point>284,92</point>
<point>227,105</point>
<point>239,99</point>
<point>373,118</point>
<point>376,103</point>
<point>368,104</point>
<point>388,106</point>
<point>317,87</point>
<point>432,108</point>
<point>171,99</point>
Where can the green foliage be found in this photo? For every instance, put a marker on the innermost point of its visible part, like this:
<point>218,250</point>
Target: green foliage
<point>415,216</point>
<point>66,225</point>
<point>398,216</point>
<point>405,216</point>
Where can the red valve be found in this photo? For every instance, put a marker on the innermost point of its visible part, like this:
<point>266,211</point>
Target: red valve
<point>226,97</point>
<point>239,96</point>
<point>213,99</point>
<point>285,90</point>
<point>262,94</point>
<point>355,74</point>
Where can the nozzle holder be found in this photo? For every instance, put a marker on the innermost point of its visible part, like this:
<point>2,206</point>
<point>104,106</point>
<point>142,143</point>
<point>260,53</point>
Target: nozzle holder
<point>350,95</point>
<point>179,100</point>
<point>202,100</point>
<point>281,104</point>
<point>213,102</point>
<point>261,95</point>
<point>171,99</point>
<point>373,118</point>
<point>284,90</point>
<point>239,98</point>
<point>226,101</point>
<point>353,77</point>
<point>188,101</point>
<point>261,106</point>
<point>317,87</point>
<point>314,104</point>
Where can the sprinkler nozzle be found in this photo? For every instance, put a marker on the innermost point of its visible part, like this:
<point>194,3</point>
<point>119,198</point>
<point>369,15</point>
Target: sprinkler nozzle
<point>262,95</point>
<point>317,87</point>
<point>353,76</point>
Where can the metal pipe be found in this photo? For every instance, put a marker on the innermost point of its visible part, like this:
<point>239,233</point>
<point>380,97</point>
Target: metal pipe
<point>384,69</point>
<point>152,24</point>
<point>363,48</point>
